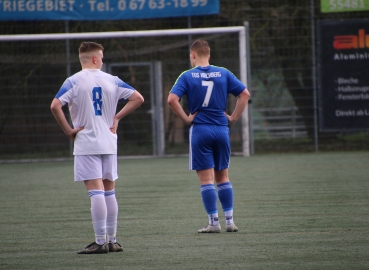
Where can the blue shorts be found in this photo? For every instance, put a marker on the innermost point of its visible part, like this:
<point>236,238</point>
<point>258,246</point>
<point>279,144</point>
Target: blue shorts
<point>210,147</point>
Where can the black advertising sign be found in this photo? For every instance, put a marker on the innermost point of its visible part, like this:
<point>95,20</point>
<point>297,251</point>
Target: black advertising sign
<point>343,67</point>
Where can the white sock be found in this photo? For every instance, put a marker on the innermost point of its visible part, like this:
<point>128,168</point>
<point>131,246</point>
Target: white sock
<point>112,215</point>
<point>98,226</point>
<point>213,219</point>
<point>98,214</point>
<point>228,215</point>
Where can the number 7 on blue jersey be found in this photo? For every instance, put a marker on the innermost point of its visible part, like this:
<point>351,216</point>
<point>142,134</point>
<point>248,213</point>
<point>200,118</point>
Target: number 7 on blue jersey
<point>209,90</point>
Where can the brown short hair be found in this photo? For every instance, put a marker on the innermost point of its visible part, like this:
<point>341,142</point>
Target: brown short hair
<point>201,47</point>
<point>88,46</point>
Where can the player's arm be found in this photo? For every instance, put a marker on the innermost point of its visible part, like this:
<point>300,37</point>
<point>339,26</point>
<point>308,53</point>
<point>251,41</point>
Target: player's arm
<point>56,109</point>
<point>134,101</point>
<point>242,100</point>
<point>173,102</point>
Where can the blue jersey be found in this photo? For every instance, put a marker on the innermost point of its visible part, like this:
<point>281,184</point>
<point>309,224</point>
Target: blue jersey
<point>207,90</point>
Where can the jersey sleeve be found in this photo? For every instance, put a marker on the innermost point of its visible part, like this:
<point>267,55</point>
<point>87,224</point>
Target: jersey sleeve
<point>234,85</point>
<point>179,88</point>
<point>65,93</point>
<point>124,89</point>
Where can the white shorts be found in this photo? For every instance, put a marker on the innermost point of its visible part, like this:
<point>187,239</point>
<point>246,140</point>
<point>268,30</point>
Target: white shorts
<point>95,167</point>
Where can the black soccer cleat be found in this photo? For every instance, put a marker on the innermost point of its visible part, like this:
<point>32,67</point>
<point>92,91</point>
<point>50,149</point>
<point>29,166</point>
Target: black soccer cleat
<point>94,248</point>
<point>114,247</point>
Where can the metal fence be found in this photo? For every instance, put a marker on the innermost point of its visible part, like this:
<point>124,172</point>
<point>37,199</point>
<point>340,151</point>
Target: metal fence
<point>282,80</point>
<point>274,123</point>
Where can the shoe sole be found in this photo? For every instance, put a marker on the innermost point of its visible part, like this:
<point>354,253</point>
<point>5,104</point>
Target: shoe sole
<point>210,232</point>
<point>93,252</point>
<point>231,229</point>
<point>115,250</point>
<point>100,250</point>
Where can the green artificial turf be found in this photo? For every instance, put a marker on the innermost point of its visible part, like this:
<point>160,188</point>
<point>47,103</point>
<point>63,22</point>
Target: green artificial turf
<point>293,211</point>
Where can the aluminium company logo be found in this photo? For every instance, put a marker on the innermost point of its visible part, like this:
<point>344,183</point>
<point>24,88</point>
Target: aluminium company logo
<point>357,42</point>
<point>348,42</point>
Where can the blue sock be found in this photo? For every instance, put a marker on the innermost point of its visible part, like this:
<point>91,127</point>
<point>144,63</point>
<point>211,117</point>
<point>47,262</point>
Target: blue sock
<point>225,194</point>
<point>209,198</point>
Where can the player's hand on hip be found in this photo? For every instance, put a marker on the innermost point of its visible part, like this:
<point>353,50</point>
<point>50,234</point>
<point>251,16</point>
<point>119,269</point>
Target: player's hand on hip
<point>230,119</point>
<point>114,127</point>
<point>190,118</point>
<point>73,133</point>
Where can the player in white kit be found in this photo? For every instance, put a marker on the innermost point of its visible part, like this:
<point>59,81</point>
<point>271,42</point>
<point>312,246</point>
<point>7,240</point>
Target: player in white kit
<point>92,97</point>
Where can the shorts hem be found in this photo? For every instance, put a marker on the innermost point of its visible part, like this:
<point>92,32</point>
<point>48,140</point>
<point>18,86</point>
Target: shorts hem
<point>82,180</point>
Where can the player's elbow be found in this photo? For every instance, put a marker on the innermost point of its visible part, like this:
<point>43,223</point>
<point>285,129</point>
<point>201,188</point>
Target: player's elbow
<point>172,98</point>
<point>137,98</point>
<point>55,105</point>
<point>245,94</point>
<point>141,99</point>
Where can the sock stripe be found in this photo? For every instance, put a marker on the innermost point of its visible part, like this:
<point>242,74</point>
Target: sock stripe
<point>109,192</point>
<point>224,186</point>
<point>95,192</point>
<point>205,188</point>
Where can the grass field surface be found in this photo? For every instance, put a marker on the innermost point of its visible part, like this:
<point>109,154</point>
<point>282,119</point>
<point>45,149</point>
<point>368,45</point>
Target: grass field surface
<point>293,211</point>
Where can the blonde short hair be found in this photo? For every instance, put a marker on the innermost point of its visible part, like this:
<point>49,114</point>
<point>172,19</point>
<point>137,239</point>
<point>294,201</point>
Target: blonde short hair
<point>88,46</point>
<point>201,47</point>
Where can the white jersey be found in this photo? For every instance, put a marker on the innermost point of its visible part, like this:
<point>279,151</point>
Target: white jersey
<point>92,96</point>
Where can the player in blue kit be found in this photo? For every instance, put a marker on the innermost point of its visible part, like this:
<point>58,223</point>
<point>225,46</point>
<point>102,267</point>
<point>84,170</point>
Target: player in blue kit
<point>207,88</point>
<point>92,97</point>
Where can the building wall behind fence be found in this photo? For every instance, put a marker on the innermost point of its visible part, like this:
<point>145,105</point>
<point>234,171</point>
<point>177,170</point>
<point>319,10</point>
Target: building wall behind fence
<point>281,79</point>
